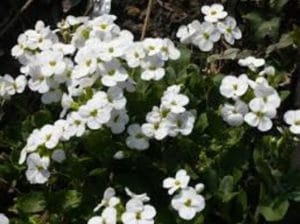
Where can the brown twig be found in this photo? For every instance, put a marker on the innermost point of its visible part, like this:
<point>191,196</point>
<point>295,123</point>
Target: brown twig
<point>146,21</point>
<point>11,22</point>
<point>89,8</point>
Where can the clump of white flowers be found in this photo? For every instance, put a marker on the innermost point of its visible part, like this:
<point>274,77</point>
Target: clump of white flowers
<point>169,119</point>
<point>137,210</point>
<point>86,65</point>
<point>205,34</point>
<point>264,99</point>
<point>188,201</point>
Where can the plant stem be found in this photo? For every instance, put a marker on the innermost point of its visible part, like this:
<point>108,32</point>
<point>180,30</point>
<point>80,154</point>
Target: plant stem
<point>10,23</point>
<point>146,21</point>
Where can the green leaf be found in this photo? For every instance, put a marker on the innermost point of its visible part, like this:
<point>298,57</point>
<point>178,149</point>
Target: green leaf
<point>229,54</point>
<point>41,118</point>
<point>284,94</point>
<point>65,200</point>
<point>202,122</point>
<point>254,18</point>
<point>264,170</point>
<point>296,35</point>
<point>277,5</point>
<point>285,41</point>
<point>268,28</point>
<point>295,196</point>
<point>31,203</point>
<point>274,210</point>
<point>72,199</point>
<point>226,188</point>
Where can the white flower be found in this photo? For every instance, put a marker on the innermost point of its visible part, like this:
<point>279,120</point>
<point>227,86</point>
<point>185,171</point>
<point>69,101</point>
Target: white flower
<point>260,116</point>
<point>157,127</point>
<point>153,68</point>
<point>230,30</point>
<point>138,213</point>
<point>86,62</point>
<point>141,197</point>
<point>157,130</point>
<point>234,114</point>
<point>186,34</point>
<point>66,103</point>
<point>81,35</point>
<point>265,93</point>
<point>182,123</point>
<point>188,203</point>
<point>112,73</point>
<point>76,125</point>
<point>116,98</point>
<point>175,102</point>
<point>50,136</point>
<point>136,139</point>
<point>180,181</point>
<point>108,216</point>
<point>58,155</point>
<point>169,51</point>
<point>134,55</point>
<point>206,37</point>
<point>52,63</point>
<point>3,219</point>
<point>96,113</point>
<point>33,142</point>
<point>115,48</point>
<point>109,199</point>
<point>37,169</point>
<point>251,62</point>
<point>153,46</point>
<point>118,120</point>
<point>38,82</point>
<point>199,188</point>
<point>119,155</point>
<point>292,118</point>
<point>234,87</point>
<point>13,86</point>
<point>213,13</point>
<point>103,26</point>
<point>268,71</point>
<point>19,49</point>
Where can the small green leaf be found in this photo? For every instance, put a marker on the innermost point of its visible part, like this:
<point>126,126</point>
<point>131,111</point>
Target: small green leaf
<point>268,28</point>
<point>226,188</point>
<point>285,41</point>
<point>274,210</point>
<point>31,203</point>
<point>277,5</point>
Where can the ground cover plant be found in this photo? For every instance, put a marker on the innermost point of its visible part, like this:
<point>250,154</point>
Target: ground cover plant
<point>111,117</point>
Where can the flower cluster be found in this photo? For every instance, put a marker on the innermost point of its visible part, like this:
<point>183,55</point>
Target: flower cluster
<point>204,35</point>
<point>263,100</point>
<point>136,211</point>
<point>169,119</point>
<point>188,201</point>
<point>86,66</point>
